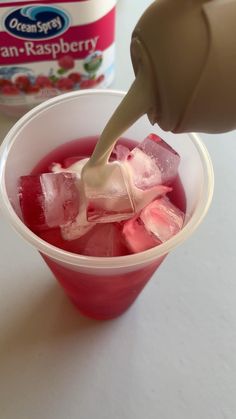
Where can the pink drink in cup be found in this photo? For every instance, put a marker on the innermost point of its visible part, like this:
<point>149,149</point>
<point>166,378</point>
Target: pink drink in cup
<point>101,287</point>
<point>43,217</point>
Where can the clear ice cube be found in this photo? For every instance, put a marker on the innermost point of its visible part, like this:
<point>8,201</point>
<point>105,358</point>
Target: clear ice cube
<point>143,170</point>
<point>164,156</point>
<point>48,200</point>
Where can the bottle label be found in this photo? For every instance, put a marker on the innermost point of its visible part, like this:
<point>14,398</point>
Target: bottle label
<point>48,48</point>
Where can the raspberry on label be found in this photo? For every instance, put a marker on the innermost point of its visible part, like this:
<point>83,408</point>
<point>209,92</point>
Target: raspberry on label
<point>10,90</point>
<point>66,62</point>
<point>22,82</point>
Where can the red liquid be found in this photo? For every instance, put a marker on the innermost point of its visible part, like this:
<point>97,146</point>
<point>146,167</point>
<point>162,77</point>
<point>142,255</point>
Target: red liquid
<point>98,296</point>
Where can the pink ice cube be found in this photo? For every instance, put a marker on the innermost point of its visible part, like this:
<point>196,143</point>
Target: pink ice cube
<point>136,236</point>
<point>103,240</point>
<point>164,156</point>
<point>162,218</point>
<point>157,223</point>
<point>48,200</point>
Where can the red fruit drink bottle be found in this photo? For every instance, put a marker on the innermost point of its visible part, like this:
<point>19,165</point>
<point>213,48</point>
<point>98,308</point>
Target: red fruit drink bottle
<point>47,49</point>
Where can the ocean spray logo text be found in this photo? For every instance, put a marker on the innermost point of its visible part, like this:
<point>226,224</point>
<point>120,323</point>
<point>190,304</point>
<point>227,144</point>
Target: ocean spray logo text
<point>37,22</point>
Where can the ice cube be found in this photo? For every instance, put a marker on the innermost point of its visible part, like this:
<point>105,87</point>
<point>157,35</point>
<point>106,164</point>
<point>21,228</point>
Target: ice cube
<point>164,156</point>
<point>80,225</point>
<point>103,240</point>
<point>48,200</point>
<point>144,179</point>
<point>144,172</point>
<point>157,223</point>
<point>162,218</point>
<point>136,236</point>
<point>108,200</point>
<point>77,228</point>
<point>152,162</point>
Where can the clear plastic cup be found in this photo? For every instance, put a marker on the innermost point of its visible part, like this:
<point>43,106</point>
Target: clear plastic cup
<point>101,288</point>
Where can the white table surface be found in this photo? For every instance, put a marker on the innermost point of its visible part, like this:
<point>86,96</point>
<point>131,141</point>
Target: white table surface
<point>172,356</point>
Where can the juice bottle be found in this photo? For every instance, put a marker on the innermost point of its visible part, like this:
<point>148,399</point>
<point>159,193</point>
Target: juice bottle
<point>48,48</point>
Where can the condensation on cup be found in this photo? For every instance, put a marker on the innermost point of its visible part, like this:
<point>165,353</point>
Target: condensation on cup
<point>51,48</point>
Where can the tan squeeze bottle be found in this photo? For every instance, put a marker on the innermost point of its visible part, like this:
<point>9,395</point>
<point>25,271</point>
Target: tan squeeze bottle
<point>191,50</point>
<point>184,57</point>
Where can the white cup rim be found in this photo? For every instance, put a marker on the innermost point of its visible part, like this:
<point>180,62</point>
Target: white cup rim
<point>60,255</point>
